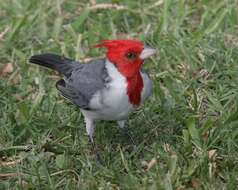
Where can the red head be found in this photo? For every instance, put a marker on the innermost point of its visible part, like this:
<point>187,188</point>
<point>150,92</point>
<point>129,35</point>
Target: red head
<point>128,56</point>
<point>125,55</point>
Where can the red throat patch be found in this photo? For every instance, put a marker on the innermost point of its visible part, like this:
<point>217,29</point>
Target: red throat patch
<point>134,89</point>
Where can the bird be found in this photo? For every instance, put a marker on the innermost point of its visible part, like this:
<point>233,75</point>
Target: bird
<point>108,88</point>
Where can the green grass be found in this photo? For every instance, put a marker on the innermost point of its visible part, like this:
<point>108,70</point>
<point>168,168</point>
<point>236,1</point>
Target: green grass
<point>189,125</point>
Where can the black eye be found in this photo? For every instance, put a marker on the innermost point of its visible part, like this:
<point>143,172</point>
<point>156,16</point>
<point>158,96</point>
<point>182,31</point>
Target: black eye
<point>131,55</point>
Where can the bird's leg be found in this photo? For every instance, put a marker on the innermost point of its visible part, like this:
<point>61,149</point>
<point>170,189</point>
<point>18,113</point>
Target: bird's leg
<point>89,128</point>
<point>125,130</point>
<point>90,131</point>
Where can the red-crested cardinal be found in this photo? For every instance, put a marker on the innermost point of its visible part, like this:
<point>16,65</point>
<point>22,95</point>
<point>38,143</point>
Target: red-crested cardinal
<point>104,89</point>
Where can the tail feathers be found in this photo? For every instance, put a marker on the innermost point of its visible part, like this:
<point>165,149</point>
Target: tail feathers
<point>55,62</point>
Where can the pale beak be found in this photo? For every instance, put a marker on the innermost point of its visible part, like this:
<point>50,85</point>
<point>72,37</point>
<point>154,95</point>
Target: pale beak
<point>147,52</point>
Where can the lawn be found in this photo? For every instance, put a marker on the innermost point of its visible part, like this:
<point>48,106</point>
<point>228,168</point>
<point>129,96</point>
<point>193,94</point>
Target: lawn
<point>186,134</point>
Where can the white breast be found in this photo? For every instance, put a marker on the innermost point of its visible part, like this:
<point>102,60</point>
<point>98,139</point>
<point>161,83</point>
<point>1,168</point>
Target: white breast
<point>112,102</point>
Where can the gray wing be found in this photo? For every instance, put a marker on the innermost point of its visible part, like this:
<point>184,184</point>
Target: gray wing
<point>85,80</point>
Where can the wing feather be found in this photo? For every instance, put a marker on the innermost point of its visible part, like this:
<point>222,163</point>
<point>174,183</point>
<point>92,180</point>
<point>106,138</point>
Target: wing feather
<point>83,83</point>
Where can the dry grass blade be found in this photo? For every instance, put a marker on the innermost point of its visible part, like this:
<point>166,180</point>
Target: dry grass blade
<point>4,32</point>
<point>107,6</point>
<point>151,163</point>
<point>148,165</point>
<point>87,59</point>
<point>6,69</point>
<point>9,175</point>
<point>93,2</point>
<point>212,154</point>
<point>158,3</point>
<point>10,163</point>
